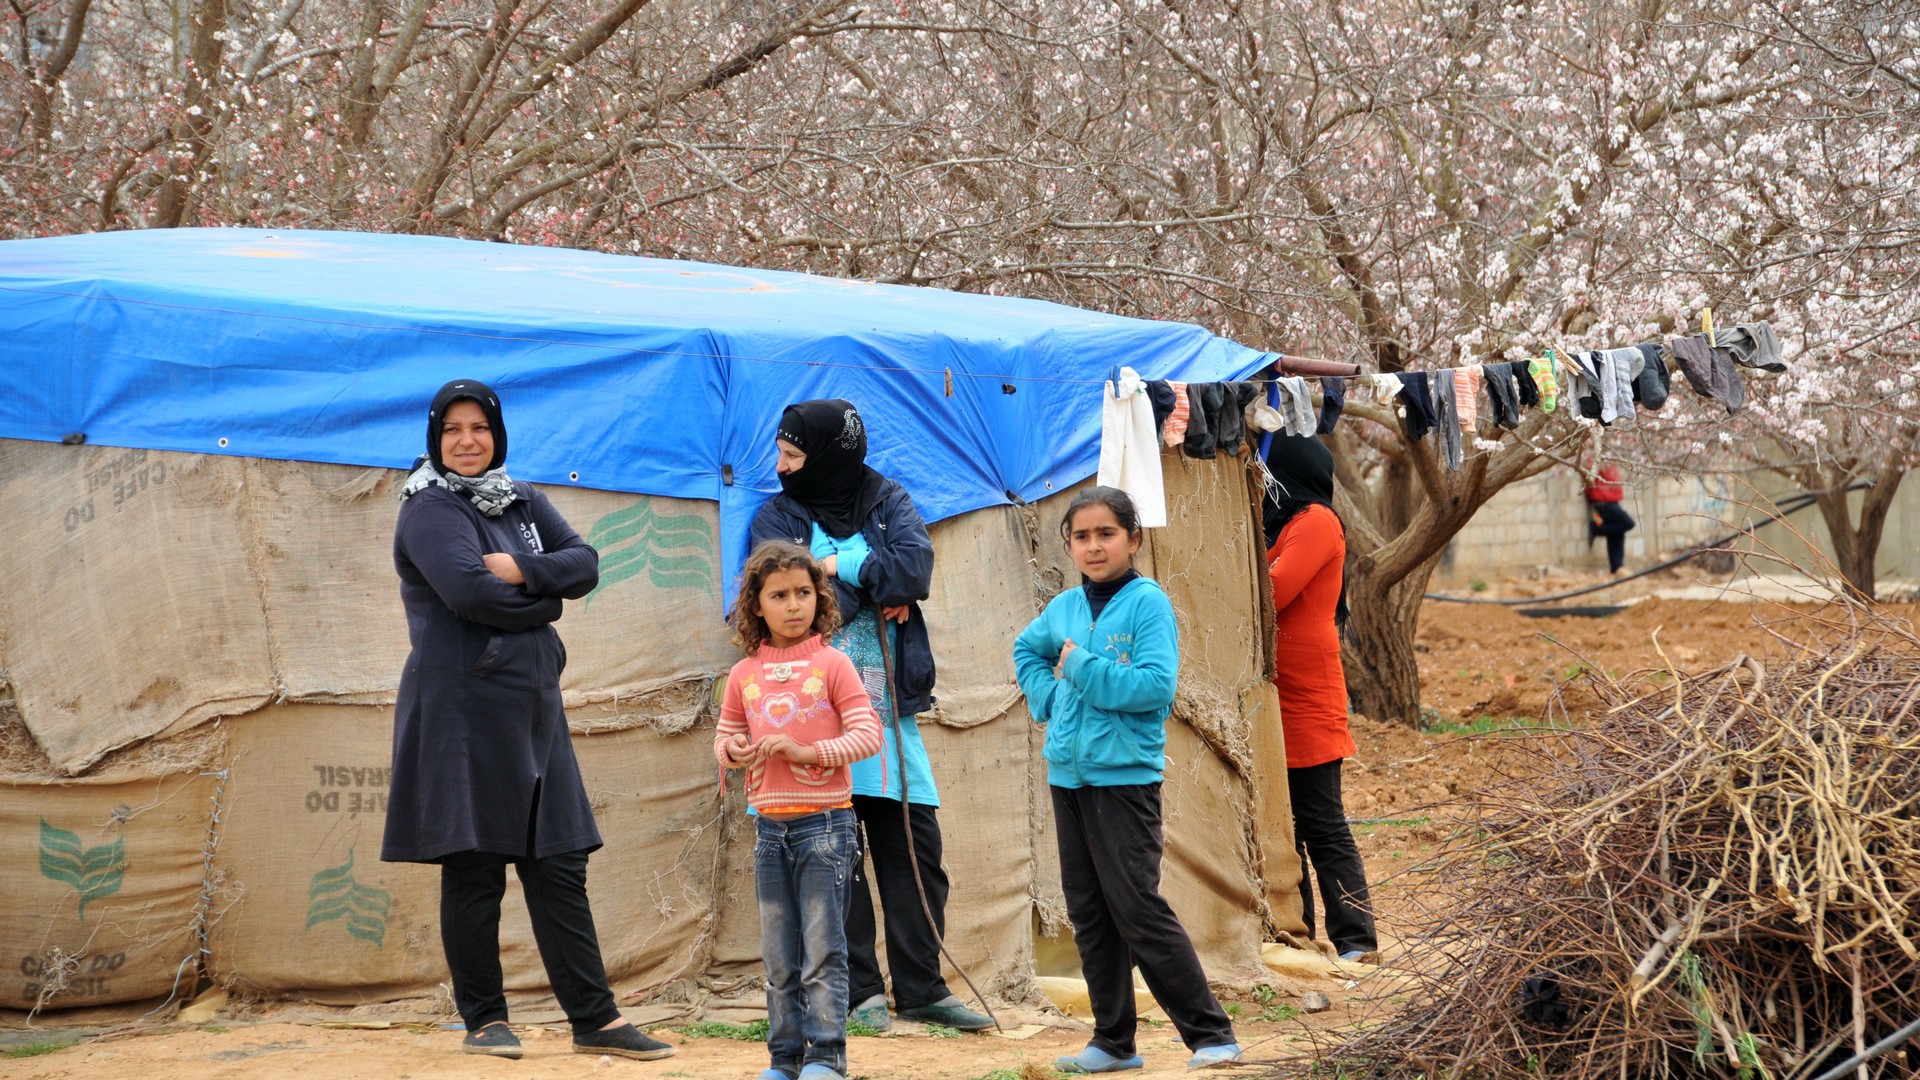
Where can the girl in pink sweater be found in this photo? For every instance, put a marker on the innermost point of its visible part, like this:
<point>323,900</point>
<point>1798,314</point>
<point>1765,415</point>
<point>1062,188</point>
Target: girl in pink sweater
<point>795,714</point>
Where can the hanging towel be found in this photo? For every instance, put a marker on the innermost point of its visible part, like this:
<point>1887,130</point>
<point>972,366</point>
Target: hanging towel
<point>1544,381</point>
<point>1753,345</point>
<point>1420,414</point>
<point>1501,394</point>
<point>1129,454</point>
<point>1446,422</point>
<point>1174,431</point>
<point>1651,386</point>
<point>1333,398</point>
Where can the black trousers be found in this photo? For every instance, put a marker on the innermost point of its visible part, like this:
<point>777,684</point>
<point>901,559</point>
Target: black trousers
<point>1323,839</point>
<point>913,953</point>
<point>1110,847</point>
<point>471,885</point>
<point>1614,523</point>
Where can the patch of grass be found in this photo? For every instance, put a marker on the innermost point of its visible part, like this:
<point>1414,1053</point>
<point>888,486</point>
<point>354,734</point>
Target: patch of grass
<point>941,1031</point>
<point>1392,822</point>
<point>215,1029</point>
<point>755,1031</point>
<point>1274,1014</point>
<point>1233,1009</point>
<point>1477,585</point>
<point>864,1031</point>
<point>1487,725</point>
<point>36,1049</point>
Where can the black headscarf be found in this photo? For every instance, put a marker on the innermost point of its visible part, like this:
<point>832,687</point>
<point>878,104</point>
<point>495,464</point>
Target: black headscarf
<point>1304,468</point>
<point>480,394</point>
<point>835,485</point>
<point>492,491</point>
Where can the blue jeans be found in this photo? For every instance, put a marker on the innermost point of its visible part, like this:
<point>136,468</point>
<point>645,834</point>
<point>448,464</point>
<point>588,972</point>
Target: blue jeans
<point>801,869</point>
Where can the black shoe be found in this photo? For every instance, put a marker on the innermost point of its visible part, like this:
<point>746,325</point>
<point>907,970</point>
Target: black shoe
<point>496,1040</point>
<point>623,1041</point>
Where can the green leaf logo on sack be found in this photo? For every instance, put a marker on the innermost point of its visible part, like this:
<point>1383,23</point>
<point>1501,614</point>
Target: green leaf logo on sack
<point>93,872</point>
<point>335,895</point>
<point>674,550</point>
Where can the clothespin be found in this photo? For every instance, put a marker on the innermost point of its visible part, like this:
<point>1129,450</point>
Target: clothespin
<point>1706,324</point>
<point>1113,380</point>
<point>949,382</point>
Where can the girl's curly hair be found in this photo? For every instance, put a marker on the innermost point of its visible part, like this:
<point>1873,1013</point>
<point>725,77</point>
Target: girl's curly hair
<point>771,557</point>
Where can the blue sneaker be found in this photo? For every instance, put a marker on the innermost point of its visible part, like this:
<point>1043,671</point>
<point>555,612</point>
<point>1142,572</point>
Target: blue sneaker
<point>1352,956</point>
<point>817,1071</point>
<point>777,1074</point>
<point>1213,1057</point>
<point>1095,1060</point>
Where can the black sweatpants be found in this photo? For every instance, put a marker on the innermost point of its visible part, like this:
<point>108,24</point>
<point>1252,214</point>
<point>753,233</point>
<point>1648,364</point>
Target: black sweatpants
<point>1110,847</point>
<point>1614,523</point>
<point>913,953</point>
<point>1325,842</point>
<point>471,885</point>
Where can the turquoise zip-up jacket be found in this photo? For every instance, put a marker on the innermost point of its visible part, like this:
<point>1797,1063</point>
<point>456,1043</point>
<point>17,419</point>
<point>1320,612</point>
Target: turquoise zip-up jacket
<point>1106,715</point>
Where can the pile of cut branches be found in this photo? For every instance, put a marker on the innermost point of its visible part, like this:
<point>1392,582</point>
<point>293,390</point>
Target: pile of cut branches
<point>1717,876</point>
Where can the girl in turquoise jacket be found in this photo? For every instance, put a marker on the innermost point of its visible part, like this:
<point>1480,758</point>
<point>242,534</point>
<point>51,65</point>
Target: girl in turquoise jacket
<point>1099,668</point>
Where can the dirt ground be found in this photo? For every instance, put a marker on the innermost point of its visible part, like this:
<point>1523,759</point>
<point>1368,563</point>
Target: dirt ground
<point>1489,675</point>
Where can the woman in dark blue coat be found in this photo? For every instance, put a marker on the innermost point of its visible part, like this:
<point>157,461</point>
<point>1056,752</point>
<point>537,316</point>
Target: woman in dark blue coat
<point>863,527</point>
<point>483,771</point>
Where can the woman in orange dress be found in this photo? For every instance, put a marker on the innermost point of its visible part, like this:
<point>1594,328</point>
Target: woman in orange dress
<point>1306,560</point>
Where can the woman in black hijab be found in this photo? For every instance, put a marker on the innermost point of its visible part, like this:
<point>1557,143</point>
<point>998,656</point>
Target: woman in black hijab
<point>1306,559</point>
<point>865,530</point>
<point>483,770</point>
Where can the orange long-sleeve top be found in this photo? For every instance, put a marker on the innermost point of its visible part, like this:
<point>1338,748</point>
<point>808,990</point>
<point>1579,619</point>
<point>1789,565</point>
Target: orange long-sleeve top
<point>1305,564</point>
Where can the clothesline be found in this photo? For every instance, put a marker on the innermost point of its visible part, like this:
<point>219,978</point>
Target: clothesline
<point>1603,385</point>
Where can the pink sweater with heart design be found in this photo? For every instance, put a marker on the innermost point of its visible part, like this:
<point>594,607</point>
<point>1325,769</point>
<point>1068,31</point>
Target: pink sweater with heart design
<point>812,694</point>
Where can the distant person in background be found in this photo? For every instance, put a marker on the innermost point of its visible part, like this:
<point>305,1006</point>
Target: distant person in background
<point>1306,559</point>
<point>865,531</point>
<point>1606,517</point>
<point>483,771</point>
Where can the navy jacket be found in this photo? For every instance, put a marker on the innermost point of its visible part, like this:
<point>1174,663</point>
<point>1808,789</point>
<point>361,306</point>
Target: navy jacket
<point>481,757</point>
<point>899,571</point>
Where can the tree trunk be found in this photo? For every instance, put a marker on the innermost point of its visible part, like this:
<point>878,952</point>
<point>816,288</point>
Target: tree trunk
<point>1856,547</point>
<point>1376,645</point>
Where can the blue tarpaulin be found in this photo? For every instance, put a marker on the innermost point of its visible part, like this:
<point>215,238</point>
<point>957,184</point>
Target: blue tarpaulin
<point>616,372</point>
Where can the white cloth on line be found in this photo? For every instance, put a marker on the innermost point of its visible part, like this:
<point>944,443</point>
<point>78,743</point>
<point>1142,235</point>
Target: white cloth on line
<point>1296,406</point>
<point>1129,449</point>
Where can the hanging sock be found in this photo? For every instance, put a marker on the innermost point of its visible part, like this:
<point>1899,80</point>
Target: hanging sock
<point>1466,401</point>
<point>1160,393</point>
<point>1522,373</point>
<point>1129,454</point>
<point>1296,405</point>
<point>1203,403</point>
<point>1621,369</point>
<point>1652,385</point>
<point>1174,431</point>
<point>1710,370</point>
<point>1501,394</point>
<point>1419,400</point>
<point>1446,422</point>
<point>1541,370</point>
<point>1333,398</point>
<point>1754,345</point>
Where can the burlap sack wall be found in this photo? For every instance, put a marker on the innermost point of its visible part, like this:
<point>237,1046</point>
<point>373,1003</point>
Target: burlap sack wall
<point>317,916</point>
<point>673,891</point>
<point>131,602</point>
<point>104,886</point>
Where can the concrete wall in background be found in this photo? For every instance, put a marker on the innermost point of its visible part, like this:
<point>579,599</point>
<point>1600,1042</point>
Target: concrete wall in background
<point>1540,526</point>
